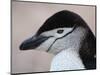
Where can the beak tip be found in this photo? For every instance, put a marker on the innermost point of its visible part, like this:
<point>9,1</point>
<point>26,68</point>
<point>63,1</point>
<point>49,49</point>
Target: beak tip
<point>21,47</point>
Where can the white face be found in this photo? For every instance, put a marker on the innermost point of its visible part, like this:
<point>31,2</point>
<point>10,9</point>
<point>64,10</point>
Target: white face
<point>55,33</point>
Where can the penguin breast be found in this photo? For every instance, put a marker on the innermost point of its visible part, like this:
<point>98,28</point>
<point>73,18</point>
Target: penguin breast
<point>66,60</point>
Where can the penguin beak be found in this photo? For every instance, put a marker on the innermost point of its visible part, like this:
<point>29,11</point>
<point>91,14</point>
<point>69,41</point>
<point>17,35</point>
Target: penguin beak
<point>33,42</point>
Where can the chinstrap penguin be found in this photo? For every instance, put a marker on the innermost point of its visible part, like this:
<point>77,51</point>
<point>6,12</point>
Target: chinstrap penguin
<point>66,35</point>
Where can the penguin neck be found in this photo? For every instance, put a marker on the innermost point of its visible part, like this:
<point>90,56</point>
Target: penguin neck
<point>67,60</point>
<point>74,40</point>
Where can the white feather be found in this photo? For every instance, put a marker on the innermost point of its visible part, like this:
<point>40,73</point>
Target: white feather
<point>67,60</point>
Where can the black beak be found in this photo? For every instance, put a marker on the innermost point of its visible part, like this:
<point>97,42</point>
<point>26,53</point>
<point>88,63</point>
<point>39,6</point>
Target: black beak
<point>33,42</point>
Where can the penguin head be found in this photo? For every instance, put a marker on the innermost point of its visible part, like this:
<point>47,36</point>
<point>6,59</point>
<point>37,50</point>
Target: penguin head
<point>61,31</point>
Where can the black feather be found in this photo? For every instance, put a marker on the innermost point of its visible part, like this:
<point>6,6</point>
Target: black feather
<point>60,19</point>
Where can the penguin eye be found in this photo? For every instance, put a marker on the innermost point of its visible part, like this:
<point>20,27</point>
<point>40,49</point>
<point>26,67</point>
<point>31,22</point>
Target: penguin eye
<point>60,31</point>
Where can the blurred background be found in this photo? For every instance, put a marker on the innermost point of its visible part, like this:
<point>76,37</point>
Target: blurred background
<point>27,17</point>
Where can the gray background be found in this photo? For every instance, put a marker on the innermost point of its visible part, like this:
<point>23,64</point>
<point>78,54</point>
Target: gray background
<point>26,19</point>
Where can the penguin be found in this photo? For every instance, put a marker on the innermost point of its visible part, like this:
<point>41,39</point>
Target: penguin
<point>68,37</point>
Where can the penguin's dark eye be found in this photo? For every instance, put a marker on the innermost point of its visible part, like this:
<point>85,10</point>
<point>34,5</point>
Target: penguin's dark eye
<point>60,31</point>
